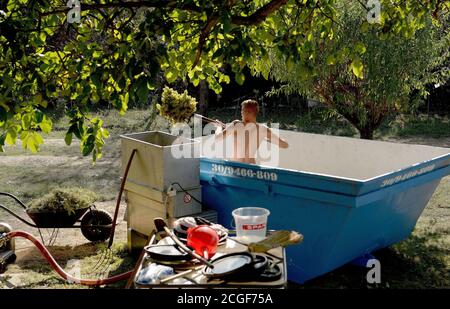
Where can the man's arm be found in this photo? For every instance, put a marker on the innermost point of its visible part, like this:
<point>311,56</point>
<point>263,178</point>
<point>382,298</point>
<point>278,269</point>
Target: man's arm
<point>276,140</point>
<point>228,129</point>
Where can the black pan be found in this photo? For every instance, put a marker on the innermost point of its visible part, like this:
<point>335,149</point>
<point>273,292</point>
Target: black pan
<point>240,266</point>
<point>169,253</point>
<point>229,266</point>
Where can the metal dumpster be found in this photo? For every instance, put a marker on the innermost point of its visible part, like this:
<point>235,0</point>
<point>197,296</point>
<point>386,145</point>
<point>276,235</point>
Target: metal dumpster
<point>348,197</point>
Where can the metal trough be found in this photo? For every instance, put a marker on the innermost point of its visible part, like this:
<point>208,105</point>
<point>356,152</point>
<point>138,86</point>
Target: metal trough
<point>348,197</point>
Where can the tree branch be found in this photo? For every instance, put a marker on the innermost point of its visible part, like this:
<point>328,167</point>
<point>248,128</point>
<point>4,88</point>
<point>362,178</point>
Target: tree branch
<point>129,5</point>
<point>259,15</point>
<point>256,18</point>
<point>212,21</point>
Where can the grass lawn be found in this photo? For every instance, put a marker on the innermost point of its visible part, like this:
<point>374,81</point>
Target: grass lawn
<point>421,261</point>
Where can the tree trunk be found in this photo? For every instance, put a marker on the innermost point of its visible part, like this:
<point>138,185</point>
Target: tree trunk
<point>203,98</point>
<point>366,132</point>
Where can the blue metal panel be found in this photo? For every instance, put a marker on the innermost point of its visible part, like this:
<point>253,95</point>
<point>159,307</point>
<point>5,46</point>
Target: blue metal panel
<point>320,182</point>
<point>340,219</point>
<point>289,177</point>
<point>405,174</point>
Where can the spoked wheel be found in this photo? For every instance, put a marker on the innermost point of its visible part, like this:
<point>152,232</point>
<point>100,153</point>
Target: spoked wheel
<point>96,217</point>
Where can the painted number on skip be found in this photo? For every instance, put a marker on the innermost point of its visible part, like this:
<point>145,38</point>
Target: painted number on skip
<point>243,172</point>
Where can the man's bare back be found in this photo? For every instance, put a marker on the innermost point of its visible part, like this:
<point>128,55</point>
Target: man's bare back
<point>244,137</point>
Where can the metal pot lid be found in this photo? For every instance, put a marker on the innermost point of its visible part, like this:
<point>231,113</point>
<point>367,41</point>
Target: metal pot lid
<point>228,264</point>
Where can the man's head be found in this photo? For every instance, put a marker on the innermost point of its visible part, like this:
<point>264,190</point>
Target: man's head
<point>249,110</point>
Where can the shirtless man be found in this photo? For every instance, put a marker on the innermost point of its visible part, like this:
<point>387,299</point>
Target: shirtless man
<point>247,135</point>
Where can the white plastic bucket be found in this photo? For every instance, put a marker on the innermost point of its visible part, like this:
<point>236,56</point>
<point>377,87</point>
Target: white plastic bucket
<point>251,223</point>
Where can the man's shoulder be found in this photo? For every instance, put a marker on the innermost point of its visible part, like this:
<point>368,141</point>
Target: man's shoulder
<point>262,126</point>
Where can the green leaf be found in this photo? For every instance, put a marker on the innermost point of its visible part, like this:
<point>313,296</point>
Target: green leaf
<point>80,129</point>
<point>96,54</point>
<point>2,142</point>
<point>74,129</point>
<point>37,138</point>
<point>195,81</point>
<point>11,136</point>
<point>226,24</point>
<point>42,36</point>
<point>124,106</point>
<point>105,133</point>
<point>38,99</point>
<point>224,78</point>
<point>170,76</point>
<point>39,116</point>
<point>240,78</point>
<point>31,140</point>
<point>357,68</point>
<point>360,48</point>
<point>331,60</point>
<point>68,138</point>
<point>95,78</point>
<point>46,125</point>
<point>88,147</point>
<point>26,121</point>
<point>214,85</point>
<point>217,54</point>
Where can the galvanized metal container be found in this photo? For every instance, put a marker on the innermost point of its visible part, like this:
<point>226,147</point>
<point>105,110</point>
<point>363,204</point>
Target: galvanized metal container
<point>348,197</point>
<point>145,204</point>
<point>155,165</point>
<point>158,178</point>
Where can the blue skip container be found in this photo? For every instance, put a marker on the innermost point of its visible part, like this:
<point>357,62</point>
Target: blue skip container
<point>348,197</point>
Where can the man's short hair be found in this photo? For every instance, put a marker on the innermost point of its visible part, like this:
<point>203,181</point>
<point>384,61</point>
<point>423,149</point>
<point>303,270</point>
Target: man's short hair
<point>251,104</point>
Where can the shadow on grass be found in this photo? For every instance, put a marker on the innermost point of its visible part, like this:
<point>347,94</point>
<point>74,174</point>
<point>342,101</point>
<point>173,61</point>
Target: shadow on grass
<point>31,259</point>
<point>412,263</point>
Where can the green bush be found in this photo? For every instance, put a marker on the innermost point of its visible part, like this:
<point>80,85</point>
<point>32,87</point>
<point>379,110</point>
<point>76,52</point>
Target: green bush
<point>64,199</point>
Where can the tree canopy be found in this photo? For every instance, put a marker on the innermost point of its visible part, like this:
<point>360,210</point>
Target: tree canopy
<point>116,51</point>
<point>364,74</point>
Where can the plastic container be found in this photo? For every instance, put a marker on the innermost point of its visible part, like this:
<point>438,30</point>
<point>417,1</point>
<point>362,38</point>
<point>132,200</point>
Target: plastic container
<point>348,197</point>
<point>204,240</point>
<point>251,223</point>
